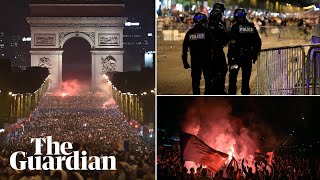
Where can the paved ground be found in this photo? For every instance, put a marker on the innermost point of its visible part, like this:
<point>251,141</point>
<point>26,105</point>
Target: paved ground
<point>173,79</point>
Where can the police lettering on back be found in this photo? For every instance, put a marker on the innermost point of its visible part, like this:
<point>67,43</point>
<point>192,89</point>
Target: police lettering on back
<point>246,29</point>
<point>206,42</point>
<point>197,36</point>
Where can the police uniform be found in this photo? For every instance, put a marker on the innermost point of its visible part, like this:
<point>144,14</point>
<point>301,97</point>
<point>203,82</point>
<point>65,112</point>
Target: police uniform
<point>197,40</point>
<point>244,47</point>
<point>219,66</point>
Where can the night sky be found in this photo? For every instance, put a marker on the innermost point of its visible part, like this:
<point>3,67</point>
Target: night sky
<point>13,15</point>
<point>281,114</point>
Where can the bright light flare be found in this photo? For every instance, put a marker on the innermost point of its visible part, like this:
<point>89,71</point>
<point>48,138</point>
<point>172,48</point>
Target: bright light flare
<point>230,153</point>
<point>105,76</point>
<point>64,94</point>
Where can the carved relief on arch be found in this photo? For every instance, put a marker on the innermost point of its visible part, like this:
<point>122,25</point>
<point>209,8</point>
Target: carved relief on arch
<point>64,36</point>
<point>45,62</point>
<point>109,64</point>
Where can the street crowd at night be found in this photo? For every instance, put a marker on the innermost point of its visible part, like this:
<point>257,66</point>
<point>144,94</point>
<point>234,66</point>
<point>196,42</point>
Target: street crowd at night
<point>284,166</point>
<point>266,23</point>
<point>283,131</point>
<point>261,18</point>
<point>83,121</point>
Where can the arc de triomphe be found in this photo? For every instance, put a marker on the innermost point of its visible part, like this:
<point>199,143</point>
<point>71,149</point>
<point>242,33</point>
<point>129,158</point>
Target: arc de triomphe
<point>99,22</point>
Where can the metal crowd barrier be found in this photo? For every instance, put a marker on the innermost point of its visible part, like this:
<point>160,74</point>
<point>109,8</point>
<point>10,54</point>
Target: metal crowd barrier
<point>175,31</point>
<point>287,32</point>
<point>170,35</point>
<point>291,70</point>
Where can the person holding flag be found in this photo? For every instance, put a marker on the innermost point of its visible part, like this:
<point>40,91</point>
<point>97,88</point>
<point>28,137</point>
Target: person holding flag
<point>194,149</point>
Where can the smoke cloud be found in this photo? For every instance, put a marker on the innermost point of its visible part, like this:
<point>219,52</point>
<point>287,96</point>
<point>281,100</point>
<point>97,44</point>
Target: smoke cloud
<point>110,103</point>
<point>72,88</point>
<point>211,119</point>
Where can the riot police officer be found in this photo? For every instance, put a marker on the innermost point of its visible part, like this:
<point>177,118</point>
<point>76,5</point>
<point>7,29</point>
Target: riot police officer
<point>221,7</point>
<point>198,41</point>
<point>219,65</point>
<point>244,48</point>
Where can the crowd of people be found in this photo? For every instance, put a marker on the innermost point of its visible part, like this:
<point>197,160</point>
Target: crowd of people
<point>284,166</point>
<point>83,121</point>
<point>264,18</point>
<point>263,22</point>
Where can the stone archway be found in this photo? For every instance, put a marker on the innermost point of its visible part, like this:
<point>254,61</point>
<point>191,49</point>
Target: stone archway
<point>77,61</point>
<point>51,29</point>
<point>65,36</point>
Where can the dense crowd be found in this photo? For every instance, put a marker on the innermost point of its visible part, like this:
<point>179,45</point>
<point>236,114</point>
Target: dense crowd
<point>285,166</point>
<point>82,121</point>
<point>269,19</point>
<point>263,22</point>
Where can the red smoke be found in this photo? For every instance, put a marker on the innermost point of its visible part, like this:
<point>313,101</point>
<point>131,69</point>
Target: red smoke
<point>72,88</point>
<point>212,121</point>
<point>110,103</point>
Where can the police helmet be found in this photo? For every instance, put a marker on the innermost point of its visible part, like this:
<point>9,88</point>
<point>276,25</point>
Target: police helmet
<point>219,6</point>
<point>200,18</point>
<point>239,14</point>
<point>215,15</point>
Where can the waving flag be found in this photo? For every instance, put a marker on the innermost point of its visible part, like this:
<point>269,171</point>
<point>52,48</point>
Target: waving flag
<point>194,149</point>
<point>270,156</point>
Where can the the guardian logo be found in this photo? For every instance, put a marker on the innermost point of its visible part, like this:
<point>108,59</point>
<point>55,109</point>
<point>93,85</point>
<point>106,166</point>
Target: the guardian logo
<point>62,153</point>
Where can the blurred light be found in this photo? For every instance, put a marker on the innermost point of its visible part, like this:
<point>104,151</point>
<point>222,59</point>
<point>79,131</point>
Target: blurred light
<point>150,34</point>
<point>10,93</point>
<point>148,60</point>
<point>179,7</point>
<point>1,130</point>
<point>193,7</point>
<point>309,7</point>
<point>132,24</point>
<point>26,39</point>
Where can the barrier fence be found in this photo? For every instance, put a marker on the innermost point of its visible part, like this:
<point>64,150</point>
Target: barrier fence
<point>291,70</point>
